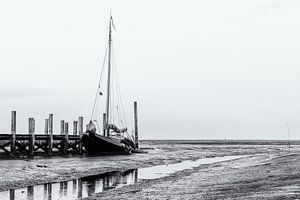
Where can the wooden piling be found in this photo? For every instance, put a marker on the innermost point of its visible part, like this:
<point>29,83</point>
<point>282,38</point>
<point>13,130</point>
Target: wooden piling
<point>46,128</point>
<point>80,131</point>
<point>75,125</point>
<point>136,125</point>
<point>13,133</point>
<point>31,143</point>
<point>66,140</point>
<point>31,130</point>
<point>104,124</point>
<point>62,127</point>
<point>50,141</point>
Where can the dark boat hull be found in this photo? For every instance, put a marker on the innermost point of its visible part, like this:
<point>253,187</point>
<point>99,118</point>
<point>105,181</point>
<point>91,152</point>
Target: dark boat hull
<point>96,144</point>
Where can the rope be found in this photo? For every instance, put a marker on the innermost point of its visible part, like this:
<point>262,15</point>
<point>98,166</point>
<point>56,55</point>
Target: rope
<point>119,90</point>
<point>98,88</point>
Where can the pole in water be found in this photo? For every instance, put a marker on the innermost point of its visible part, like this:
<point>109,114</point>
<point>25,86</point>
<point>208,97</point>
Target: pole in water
<point>50,144</point>
<point>66,139</point>
<point>46,128</point>
<point>80,132</point>
<point>75,127</point>
<point>31,130</point>
<point>136,125</point>
<point>13,133</point>
<point>104,124</point>
<point>288,129</point>
<point>62,127</point>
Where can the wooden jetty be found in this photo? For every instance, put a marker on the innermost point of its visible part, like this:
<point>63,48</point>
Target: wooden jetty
<point>15,145</point>
<point>48,143</point>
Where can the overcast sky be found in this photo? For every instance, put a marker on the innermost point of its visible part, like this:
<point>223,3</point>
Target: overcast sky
<point>210,69</point>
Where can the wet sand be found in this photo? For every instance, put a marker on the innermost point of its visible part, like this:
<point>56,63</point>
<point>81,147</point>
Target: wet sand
<point>271,171</point>
<point>272,175</point>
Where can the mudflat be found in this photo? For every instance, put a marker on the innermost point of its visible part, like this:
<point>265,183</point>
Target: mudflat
<point>269,171</point>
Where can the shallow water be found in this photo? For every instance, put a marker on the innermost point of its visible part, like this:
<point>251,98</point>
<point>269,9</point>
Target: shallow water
<point>87,186</point>
<point>160,171</point>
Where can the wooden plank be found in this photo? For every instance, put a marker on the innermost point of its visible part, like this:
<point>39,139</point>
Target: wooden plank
<point>13,133</point>
<point>80,131</point>
<point>136,125</point>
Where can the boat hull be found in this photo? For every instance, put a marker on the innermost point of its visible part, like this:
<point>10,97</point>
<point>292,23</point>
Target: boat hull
<point>96,144</point>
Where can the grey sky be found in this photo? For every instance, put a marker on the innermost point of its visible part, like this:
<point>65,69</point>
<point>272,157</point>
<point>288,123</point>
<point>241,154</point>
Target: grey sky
<point>199,69</point>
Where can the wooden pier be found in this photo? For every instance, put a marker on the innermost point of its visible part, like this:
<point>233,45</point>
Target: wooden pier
<point>15,145</point>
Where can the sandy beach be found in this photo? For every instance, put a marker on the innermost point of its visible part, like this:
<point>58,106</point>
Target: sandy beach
<point>266,172</point>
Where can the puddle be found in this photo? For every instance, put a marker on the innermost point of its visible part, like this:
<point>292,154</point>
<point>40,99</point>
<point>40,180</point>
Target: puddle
<point>87,186</point>
<point>160,171</point>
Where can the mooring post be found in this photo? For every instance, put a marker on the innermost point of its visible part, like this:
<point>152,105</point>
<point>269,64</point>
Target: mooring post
<point>75,124</point>
<point>50,145</point>
<point>80,131</point>
<point>31,130</point>
<point>136,125</point>
<point>66,140</point>
<point>13,133</point>
<point>62,127</point>
<point>104,124</point>
<point>46,128</point>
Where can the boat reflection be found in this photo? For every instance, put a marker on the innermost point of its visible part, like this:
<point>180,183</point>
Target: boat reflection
<point>74,189</point>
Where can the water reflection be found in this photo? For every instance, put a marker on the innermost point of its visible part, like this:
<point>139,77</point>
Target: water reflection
<point>90,185</point>
<point>74,189</point>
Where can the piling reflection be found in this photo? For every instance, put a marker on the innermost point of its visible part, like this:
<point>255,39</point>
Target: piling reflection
<point>88,186</point>
<point>74,189</point>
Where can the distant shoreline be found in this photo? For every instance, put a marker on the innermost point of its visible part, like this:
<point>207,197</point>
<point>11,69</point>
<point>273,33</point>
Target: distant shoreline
<point>224,142</point>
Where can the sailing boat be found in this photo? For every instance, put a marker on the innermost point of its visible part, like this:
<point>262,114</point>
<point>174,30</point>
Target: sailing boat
<point>114,138</point>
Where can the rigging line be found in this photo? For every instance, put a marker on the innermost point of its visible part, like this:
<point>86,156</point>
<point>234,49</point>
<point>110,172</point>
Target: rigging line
<point>111,97</point>
<point>98,88</point>
<point>119,89</point>
<point>119,117</point>
<point>115,93</point>
<point>121,102</point>
<point>112,94</point>
<point>122,107</point>
<point>97,125</point>
<point>117,96</point>
<point>120,121</point>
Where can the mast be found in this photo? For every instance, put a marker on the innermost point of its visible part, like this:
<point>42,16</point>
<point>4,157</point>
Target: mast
<point>108,77</point>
